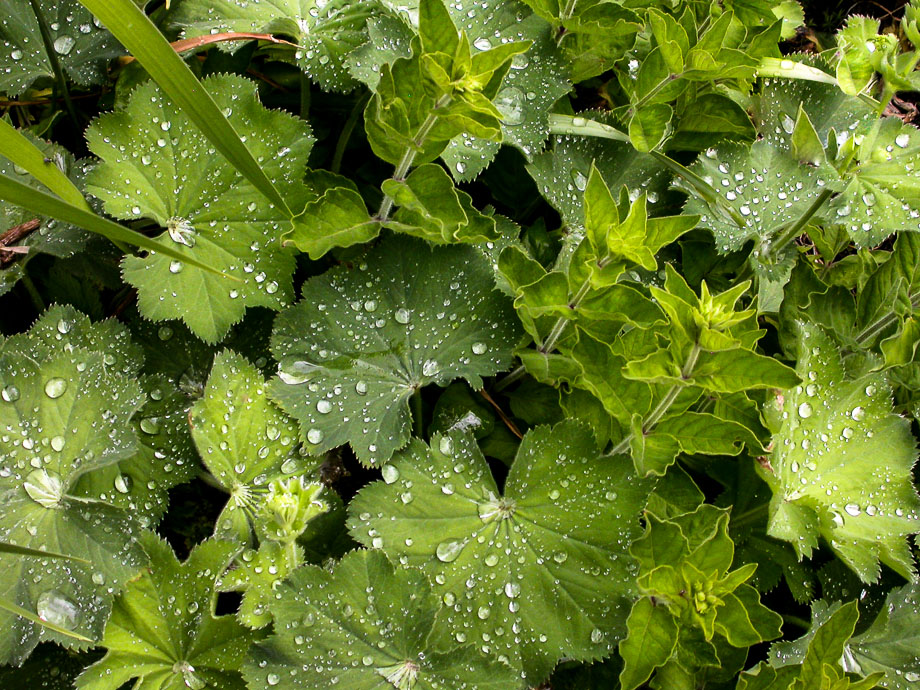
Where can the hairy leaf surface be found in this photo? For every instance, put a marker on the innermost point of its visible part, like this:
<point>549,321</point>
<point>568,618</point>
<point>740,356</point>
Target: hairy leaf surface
<point>156,165</point>
<point>367,337</point>
<point>535,573</point>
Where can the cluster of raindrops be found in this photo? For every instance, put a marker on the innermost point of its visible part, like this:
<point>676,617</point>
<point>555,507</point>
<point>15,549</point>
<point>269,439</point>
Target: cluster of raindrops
<point>486,561</point>
<point>365,339</point>
<point>156,165</point>
<point>81,45</point>
<point>834,451</point>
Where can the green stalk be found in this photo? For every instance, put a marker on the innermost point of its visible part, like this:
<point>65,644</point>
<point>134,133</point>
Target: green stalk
<point>8,605</point>
<point>347,129</point>
<point>794,230</point>
<point>418,409</point>
<point>402,168</point>
<point>869,333</point>
<point>59,79</point>
<point>664,404</point>
<point>44,204</point>
<point>555,332</point>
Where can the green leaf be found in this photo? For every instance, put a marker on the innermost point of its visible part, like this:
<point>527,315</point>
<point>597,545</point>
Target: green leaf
<point>841,465</point>
<point>26,160</point>
<point>732,371</point>
<point>81,45</point>
<point>325,33</point>
<point>649,126</point>
<point>545,558</point>
<point>163,630</point>
<point>244,440</point>
<point>339,218</point>
<point>138,34</point>
<point>649,643</point>
<point>165,457</point>
<point>258,574</point>
<point>366,625</point>
<point>879,197</point>
<point>22,152</point>
<point>365,338</point>
<point>891,645</point>
<point>431,207</point>
<point>765,186</point>
<point>67,395</point>
<point>536,80</point>
<point>570,159</point>
<point>156,165</point>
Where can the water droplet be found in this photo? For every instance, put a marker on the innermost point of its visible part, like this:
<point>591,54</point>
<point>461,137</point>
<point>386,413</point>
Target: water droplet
<point>175,266</point>
<point>10,394</point>
<point>57,443</point>
<point>123,483</point>
<point>510,103</point>
<point>45,488</point>
<point>484,612</point>
<point>273,679</point>
<point>402,316</point>
<point>63,44</point>
<point>805,410</point>
<point>315,436</point>
<point>446,446</point>
<point>902,140</point>
<point>512,590</point>
<point>858,413</point>
<point>150,425</point>
<point>324,407</point>
<point>390,473</point>
<point>482,44</point>
<point>55,387</point>
<point>165,333</point>
<point>447,551</point>
<point>597,636</point>
<point>361,388</point>
<point>54,607</point>
<point>852,509</point>
<point>16,54</point>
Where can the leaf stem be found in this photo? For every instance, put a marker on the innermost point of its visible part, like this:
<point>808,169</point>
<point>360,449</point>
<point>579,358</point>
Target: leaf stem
<point>418,408</point>
<point>347,129</point>
<point>402,168</point>
<point>664,404</point>
<point>59,78</point>
<point>868,334</point>
<point>796,621</point>
<point>555,333</point>
<point>794,230</point>
<point>749,515</point>
<point>33,292</point>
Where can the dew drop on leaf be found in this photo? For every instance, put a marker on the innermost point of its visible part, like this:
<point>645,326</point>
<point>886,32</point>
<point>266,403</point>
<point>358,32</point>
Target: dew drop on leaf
<point>54,607</point>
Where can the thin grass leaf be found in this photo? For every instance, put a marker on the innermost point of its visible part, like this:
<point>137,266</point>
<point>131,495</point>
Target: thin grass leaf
<point>47,205</point>
<point>6,547</point>
<point>28,615</point>
<point>22,152</point>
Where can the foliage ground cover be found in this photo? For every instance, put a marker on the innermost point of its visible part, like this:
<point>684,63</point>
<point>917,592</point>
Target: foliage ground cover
<point>490,344</point>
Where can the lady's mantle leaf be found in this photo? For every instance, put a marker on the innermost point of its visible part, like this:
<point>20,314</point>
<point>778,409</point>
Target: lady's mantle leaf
<point>81,45</point>
<point>366,337</point>
<point>326,32</point>
<point>67,395</point>
<point>366,626</point>
<point>155,164</point>
<point>538,574</point>
<point>244,440</point>
<point>841,468</point>
<point>163,630</point>
<point>892,643</point>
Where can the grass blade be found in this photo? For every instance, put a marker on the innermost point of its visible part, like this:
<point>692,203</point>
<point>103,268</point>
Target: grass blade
<point>29,616</point>
<point>6,547</point>
<point>144,41</point>
<point>22,152</point>
<point>44,204</point>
